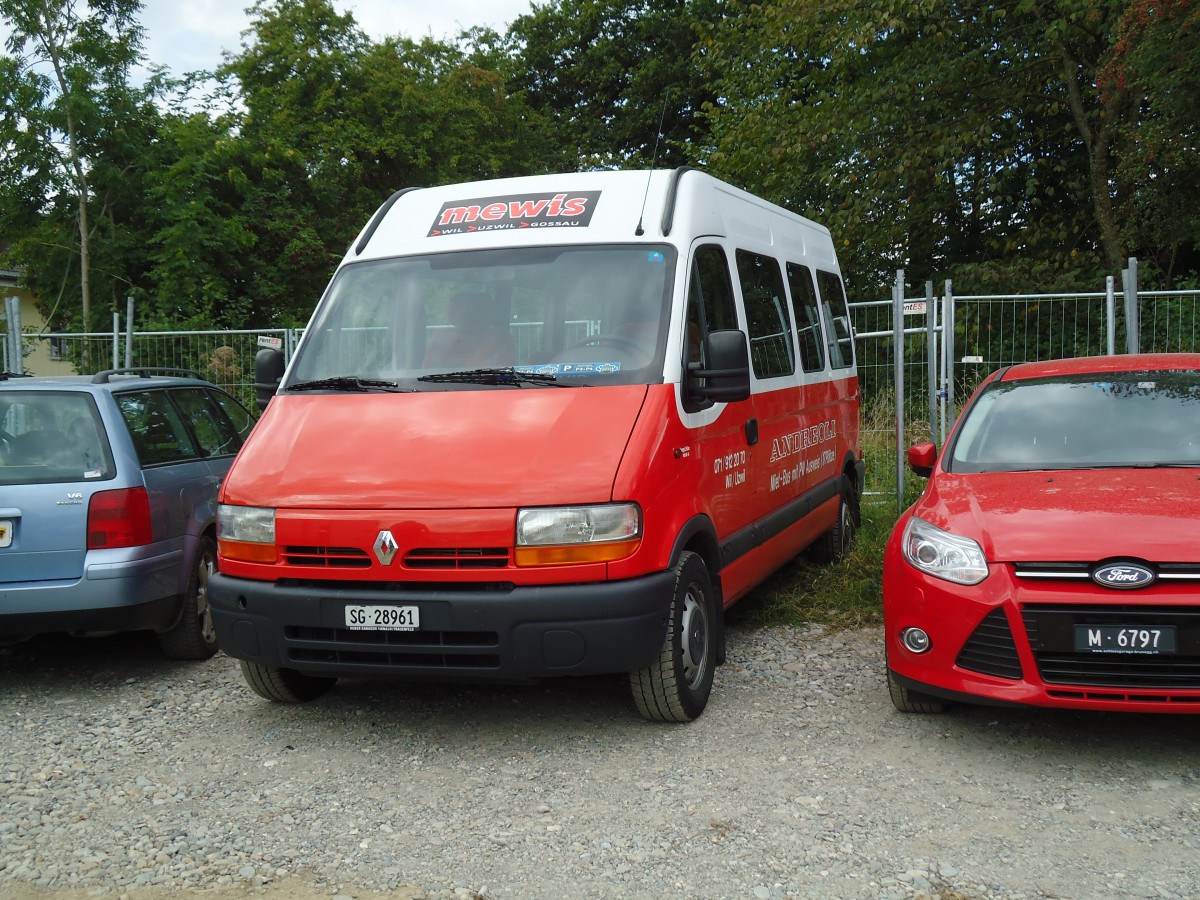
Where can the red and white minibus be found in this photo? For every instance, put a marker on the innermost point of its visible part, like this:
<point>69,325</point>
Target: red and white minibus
<point>543,426</point>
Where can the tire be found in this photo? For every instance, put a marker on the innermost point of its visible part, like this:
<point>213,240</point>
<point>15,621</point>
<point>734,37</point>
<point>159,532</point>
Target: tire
<point>910,701</point>
<point>193,636</point>
<point>284,685</point>
<point>834,545</point>
<point>675,688</point>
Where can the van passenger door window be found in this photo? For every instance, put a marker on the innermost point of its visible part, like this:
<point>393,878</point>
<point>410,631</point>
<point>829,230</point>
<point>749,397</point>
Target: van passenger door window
<point>840,334</point>
<point>771,351</point>
<point>807,314</point>
<point>710,300</point>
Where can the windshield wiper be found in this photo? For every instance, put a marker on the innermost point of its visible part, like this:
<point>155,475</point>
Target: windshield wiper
<point>507,375</point>
<point>346,383</point>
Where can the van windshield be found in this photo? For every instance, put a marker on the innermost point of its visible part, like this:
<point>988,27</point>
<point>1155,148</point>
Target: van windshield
<point>569,315</point>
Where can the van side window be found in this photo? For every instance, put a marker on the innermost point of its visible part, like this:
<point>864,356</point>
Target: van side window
<point>807,314</point>
<point>710,300</point>
<point>841,337</point>
<point>770,332</point>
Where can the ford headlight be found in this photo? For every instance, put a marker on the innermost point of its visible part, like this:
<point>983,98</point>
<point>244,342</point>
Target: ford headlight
<point>941,554</point>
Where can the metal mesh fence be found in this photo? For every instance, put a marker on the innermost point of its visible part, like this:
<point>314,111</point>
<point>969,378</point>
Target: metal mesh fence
<point>989,331</point>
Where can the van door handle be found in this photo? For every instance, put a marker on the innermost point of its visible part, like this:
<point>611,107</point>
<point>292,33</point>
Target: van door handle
<point>751,432</point>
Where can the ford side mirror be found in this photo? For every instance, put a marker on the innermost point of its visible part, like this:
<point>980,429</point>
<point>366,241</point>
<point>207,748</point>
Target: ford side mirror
<point>268,372</point>
<point>922,457</point>
<point>726,376</point>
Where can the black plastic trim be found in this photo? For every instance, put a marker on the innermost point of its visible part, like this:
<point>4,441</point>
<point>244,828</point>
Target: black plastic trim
<point>757,533</point>
<point>377,219</point>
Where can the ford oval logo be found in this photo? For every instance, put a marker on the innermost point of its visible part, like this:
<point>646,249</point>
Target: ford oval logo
<point>1123,576</point>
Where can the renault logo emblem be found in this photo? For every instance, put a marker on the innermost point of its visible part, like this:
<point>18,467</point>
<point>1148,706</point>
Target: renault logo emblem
<point>385,548</point>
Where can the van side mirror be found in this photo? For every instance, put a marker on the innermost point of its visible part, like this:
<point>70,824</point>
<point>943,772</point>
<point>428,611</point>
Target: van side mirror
<point>726,377</point>
<point>922,457</point>
<point>268,372</point>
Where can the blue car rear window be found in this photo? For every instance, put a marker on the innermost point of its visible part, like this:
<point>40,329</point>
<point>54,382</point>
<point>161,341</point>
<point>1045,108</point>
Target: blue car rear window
<point>51,437</point>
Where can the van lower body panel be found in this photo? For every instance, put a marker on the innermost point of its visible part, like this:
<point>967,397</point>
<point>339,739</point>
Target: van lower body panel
<point>468,633</point>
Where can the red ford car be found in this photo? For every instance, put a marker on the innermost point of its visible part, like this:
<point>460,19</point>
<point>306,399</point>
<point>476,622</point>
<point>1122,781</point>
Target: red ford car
<point>1054,557</point>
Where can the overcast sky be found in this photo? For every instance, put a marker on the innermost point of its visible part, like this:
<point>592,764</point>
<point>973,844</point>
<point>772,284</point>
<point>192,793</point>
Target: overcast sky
<point>188,36</point>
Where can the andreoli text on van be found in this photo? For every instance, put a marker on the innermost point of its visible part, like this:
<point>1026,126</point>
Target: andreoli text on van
<point>789,444</point>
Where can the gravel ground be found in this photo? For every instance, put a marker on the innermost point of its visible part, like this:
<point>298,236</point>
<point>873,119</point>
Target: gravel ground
<point>122,774</point>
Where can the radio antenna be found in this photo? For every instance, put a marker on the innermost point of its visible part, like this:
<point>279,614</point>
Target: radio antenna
<point>639,231</point>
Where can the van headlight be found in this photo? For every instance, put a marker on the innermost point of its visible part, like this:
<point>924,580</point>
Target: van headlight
<point>566,535</point>
<point>942,554</point>
<point>246,533</point>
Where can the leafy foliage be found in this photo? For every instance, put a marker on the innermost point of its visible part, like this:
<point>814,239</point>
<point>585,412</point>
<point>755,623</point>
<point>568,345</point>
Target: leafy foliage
<point>938,137</point>
<point>616,79</point>
<point>66,172</point>
<point>1031,143</point>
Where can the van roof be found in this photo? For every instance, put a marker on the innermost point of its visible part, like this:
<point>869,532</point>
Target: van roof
<point>578,208</point>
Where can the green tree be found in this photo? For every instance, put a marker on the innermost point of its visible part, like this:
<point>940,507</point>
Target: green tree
<point>68,109</point>
<point>328,126</point>
<point>1156,59</point>
<point>938,137</point>
<point>617,79</point>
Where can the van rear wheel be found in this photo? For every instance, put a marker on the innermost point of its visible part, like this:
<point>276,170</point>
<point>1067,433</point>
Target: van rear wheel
<point>834,545</point>
<point>676,686</point>
<point>284,685</point>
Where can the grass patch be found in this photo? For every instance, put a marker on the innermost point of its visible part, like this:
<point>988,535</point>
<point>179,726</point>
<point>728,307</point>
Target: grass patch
<point>846,595</point>
<point>849,594</point>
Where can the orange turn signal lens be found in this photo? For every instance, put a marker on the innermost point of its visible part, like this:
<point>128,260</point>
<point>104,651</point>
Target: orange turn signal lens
<point>575,554</point>
<point>247,551</point>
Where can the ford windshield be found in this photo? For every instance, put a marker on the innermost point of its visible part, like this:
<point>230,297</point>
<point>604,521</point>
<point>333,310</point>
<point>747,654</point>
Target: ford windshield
<point>539,316</point>
<point>1114,420</point>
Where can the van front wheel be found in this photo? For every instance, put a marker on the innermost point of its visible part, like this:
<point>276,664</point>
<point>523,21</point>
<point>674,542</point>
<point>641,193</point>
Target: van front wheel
<point>284,685</point>
<point>675,687</point>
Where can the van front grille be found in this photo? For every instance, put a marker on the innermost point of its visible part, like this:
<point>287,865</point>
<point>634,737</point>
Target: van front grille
<point>327,557</point>
<point>457,558</point>
<point>394,649</point>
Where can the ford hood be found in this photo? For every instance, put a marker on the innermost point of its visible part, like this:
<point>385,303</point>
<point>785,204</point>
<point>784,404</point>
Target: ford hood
<point>464,449</point>
<point>1071,516</point>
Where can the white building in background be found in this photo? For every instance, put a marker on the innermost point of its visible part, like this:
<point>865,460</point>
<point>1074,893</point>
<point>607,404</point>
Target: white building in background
<point>40,355</point>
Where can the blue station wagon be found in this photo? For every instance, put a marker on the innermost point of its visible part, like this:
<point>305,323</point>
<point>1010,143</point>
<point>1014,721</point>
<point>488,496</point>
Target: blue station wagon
<point>108,487</point>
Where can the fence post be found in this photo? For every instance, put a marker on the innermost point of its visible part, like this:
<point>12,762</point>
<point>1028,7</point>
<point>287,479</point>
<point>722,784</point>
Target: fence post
<point>116,356</point>
<point>948,351</point>
<point>129,332</point>
<point>931,346</point>
<point>12,340</point>
<point>1129,279</point>
<point>1110,313</point>
<point>898,363</point>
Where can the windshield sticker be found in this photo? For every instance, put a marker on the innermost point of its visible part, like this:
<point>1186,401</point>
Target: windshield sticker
<point>572,370</point>
<point>562,210</point>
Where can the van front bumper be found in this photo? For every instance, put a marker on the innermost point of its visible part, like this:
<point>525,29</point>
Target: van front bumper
<point>466,633</point>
